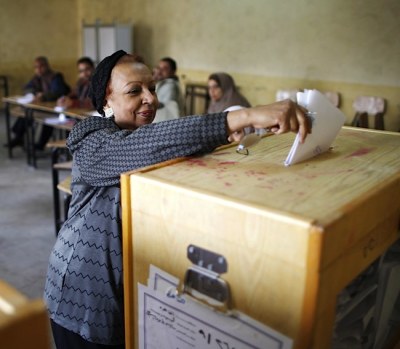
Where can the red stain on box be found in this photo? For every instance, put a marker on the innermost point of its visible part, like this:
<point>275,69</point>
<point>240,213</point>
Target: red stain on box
<point>361,152</point>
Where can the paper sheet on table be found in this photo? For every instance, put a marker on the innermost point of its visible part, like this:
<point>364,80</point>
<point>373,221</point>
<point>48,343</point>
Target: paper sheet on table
<point>60,120</point>
<point>169,321</point>
<point>28,98</point>
<point>93,113</point>
<point>327,120</point>
<point>59,109</point>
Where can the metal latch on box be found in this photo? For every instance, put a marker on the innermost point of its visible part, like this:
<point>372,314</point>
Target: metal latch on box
<point>202,279</point>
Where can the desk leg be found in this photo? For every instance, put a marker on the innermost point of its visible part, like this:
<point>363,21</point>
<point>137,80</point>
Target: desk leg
<point>56,195</point>
<point>33,141</point>
<point>30,137</point>
<point>192,102</point>
<point>8,127</point>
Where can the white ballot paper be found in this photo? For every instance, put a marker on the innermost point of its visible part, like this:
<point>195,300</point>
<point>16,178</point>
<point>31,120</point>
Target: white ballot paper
<point>59,109</point>
<point>171,321</point>
<point>327,120</point>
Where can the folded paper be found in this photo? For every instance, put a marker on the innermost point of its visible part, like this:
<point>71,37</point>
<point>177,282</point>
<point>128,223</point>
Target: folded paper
<point>327,120</point>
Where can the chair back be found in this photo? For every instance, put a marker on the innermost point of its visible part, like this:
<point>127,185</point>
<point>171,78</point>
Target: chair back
<point>369,105</point>
<point>334,97</point>
<point>286,94</point>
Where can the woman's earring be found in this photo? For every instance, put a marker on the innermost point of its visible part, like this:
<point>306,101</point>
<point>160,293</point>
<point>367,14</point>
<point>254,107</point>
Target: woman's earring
<point>108,112</point>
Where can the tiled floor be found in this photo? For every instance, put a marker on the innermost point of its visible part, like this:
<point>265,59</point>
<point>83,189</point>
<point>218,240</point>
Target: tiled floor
<point>26,220</point>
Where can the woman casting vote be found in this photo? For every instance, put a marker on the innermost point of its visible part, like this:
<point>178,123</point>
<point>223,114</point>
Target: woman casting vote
<point>84,286</point>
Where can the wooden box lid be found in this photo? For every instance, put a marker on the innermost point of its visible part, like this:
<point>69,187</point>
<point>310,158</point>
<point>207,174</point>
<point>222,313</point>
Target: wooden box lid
<point>320,189</point>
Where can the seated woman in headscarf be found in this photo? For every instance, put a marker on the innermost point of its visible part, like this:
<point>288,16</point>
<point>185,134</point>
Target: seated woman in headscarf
<point>223,93</point>
<point>84,284</point>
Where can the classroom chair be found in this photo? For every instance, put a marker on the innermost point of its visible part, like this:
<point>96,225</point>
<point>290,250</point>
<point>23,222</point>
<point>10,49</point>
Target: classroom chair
<point>286,94</point>
<point>334,97</point>
<point>196,98</point>
<point>24,323</point>
<point>60,161</point>
<point>369,105</point>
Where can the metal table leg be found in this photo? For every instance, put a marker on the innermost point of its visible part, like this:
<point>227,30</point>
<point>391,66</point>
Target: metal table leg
<point>8,127</point>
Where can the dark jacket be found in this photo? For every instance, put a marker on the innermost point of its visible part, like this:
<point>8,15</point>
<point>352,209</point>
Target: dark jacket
<point>84,289</point>
<point>52,85</point>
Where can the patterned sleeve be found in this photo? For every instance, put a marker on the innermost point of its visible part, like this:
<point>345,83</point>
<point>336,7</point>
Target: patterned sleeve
<point>103,155</point>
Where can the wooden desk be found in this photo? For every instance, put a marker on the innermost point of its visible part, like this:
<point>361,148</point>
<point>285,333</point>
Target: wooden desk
<point>293,237</point>
<point>31,115</point>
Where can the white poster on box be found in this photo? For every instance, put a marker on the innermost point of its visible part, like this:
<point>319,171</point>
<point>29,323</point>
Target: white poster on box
<point>171,321</point>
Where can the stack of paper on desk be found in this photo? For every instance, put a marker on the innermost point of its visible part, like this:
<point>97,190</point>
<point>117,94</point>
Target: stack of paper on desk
<point>327,120</point>
<point>28,98</point>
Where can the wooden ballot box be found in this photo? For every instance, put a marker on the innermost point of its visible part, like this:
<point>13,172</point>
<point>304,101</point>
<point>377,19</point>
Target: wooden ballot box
<point>293,237</point>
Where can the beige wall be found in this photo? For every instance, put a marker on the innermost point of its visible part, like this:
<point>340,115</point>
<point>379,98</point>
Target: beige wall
<point>352,47</point>
<point>33,28</point>
<point>337,40</point>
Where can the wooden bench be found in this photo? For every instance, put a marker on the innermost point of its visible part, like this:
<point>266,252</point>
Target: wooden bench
<point>65,186</point>
<point>23,323</point>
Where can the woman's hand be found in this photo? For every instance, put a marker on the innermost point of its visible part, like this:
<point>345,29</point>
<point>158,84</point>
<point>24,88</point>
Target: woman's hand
<point>279,117</point>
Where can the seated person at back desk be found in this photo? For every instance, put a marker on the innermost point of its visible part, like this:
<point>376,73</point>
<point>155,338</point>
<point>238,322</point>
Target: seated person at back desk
<point>223,93</point>
<point>167,86</point>
<point>79,96</point>
<point>46,85</point>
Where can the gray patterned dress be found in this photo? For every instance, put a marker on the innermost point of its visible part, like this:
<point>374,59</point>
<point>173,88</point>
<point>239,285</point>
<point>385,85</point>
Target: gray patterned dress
<point>84,286</point>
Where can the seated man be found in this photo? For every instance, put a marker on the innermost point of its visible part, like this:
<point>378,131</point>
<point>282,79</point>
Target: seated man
<point>46,85</point>
<point>79,96</point>
<point>168,88</point>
